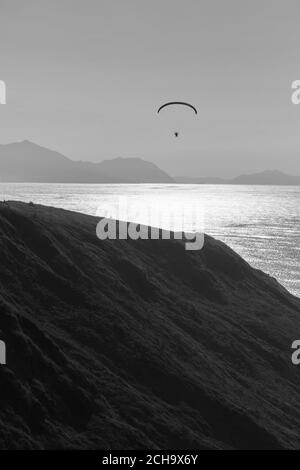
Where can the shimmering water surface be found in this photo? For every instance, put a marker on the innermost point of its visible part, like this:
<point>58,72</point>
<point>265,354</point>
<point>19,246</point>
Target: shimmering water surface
<point>261,223</point>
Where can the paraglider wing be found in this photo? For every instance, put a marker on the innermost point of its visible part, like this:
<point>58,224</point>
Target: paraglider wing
<point>175,103</point>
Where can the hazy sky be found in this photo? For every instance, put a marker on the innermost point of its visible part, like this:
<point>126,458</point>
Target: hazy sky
<point>85,77</point>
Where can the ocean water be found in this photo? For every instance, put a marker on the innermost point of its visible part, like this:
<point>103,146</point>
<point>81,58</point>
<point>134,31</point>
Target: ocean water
<point>261,223</point>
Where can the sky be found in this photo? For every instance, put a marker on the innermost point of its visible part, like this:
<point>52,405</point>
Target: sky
<point>86,78</point>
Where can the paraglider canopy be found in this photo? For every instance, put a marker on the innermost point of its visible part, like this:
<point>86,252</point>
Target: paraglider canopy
<point>171,103</point>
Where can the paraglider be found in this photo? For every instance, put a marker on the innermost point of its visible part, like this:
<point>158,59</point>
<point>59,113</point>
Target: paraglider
<point>177,103</point>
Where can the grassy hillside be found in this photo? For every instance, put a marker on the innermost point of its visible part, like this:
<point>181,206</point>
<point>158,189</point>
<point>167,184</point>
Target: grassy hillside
<point>139,344</point>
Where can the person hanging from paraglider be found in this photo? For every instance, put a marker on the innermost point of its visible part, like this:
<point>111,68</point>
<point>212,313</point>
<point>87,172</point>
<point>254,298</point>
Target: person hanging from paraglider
<point>172,103</point>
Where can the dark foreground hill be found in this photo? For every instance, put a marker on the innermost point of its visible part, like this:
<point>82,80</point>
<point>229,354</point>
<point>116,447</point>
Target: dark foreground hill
<point>139,344</point>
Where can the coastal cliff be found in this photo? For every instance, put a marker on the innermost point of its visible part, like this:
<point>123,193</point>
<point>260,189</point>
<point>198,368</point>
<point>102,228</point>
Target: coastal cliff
<point>123,344</point>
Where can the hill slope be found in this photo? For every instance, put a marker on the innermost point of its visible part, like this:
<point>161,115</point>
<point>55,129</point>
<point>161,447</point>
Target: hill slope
<point>274,177</point>
<point>139,344</point>
<point>28,162</point>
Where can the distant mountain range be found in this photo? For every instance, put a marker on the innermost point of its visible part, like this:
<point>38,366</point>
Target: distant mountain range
<point>267,177</point>
<point>28,162</point>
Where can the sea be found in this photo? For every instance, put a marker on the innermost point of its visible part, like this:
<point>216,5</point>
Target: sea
<point>261,223</point>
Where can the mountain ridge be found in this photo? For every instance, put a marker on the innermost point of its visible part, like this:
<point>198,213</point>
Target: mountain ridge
<point>28,162</point>
<point>266,177</point>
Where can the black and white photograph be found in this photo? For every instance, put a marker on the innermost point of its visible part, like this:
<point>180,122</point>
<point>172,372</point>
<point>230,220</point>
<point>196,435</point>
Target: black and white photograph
<point>149,229</point>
